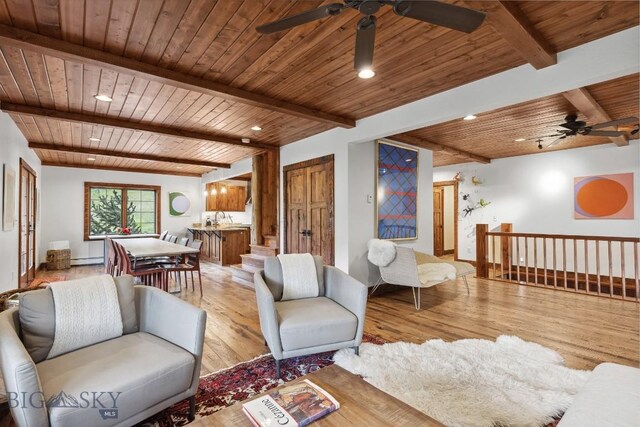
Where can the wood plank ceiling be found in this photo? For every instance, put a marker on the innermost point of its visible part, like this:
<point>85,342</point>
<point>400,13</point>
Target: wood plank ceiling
<point>295,84</point>
<point>493,134</point>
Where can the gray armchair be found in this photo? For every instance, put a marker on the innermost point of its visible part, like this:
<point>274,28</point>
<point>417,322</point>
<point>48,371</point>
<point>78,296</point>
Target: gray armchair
<point>151,368</point>
<point>331,321</point>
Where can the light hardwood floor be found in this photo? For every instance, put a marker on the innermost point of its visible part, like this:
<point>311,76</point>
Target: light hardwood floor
<point>585,330</point>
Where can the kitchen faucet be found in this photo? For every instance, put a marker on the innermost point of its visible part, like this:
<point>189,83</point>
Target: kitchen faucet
<point>215,217</point>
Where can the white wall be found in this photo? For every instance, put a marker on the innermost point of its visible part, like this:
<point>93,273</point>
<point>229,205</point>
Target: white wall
<point>361,215</point>
<point>448,218</point>
<point>63,205</point>
<point>535,192</point>
<point>12,148</point>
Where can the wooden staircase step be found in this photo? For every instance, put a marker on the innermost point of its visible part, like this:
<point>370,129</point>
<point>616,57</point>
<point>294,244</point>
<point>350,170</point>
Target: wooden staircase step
<point>263,250</point>
<point>253,260</point>
<point>271,241</point>
<point>241,275</point>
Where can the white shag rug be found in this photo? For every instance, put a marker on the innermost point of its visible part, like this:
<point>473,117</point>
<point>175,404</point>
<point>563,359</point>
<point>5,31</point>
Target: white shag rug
<point>471,382</point>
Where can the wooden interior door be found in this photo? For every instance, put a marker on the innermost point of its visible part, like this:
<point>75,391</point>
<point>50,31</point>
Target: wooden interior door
<point>309,208</point>
<point>296,182</point>
<point>27,225</point>
<point>438,221</point>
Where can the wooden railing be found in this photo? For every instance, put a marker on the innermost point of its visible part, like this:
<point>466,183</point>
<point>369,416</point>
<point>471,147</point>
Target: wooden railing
<point>596,265</point>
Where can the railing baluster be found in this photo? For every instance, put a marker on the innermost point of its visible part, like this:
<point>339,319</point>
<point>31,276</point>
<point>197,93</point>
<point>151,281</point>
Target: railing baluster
<point>564,260</point>
<point>544,259</point>
<point>494,256</point>
<point>518,257</point>
<point>526,259</point>
<point>636,267</point>
<point>501,260</point>
<point>575,264</point>
<point>622,272</point>
<point>598,267</point>
<point>555,274</point>
<point>586,265</point>
<point>610,269</point>
<point>535,259</point>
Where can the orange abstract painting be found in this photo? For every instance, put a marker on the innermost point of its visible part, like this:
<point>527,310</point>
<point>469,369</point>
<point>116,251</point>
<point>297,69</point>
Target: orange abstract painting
<point>603,196</point>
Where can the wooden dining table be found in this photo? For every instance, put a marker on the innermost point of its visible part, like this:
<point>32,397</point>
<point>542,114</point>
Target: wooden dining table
<point>148,247</point>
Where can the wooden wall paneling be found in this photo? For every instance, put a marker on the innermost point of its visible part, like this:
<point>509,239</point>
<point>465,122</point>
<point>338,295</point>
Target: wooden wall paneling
<point>257,192</point>
<point>270,193</point>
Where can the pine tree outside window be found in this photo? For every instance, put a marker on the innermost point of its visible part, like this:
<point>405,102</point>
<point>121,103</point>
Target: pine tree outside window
<point>114,209</point>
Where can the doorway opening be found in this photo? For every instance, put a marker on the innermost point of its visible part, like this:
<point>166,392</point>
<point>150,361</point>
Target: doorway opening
<point>27,225</point>
<point>445,218</point>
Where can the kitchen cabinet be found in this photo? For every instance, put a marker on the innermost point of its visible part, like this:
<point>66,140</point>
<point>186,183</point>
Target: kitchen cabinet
<point>226,198</point>
<point>223,245</point>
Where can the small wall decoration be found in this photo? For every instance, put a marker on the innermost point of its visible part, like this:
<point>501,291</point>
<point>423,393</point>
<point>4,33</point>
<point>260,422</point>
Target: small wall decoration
<point>8,198</point>
<point>179,204</point>
<point>603,196</point>
<point>397,192</point>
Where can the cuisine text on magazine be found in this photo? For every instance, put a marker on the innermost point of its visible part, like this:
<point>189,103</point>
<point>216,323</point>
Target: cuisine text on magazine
<point>293,405</point>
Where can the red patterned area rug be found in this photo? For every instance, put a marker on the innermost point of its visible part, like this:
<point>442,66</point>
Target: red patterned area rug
<point>240,382</point>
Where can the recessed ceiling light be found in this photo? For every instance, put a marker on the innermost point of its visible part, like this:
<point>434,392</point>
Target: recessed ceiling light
<point>520,140</point>
<point>91,159</point>
<point>105,98</point>
<point>179,167</point>
<point>246,140</point>
<point>469,117</point>
<point>366,73</point>
<point>92,139</point>
<point>256,128</point>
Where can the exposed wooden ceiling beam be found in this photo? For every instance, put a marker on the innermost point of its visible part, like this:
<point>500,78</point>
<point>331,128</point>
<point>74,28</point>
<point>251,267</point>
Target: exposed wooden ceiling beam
<point>11,36</point>
<point>584,103</point>
<point>120,154</point>
<point>507,18</point>
<point>429,145</point>
<point>125,124</point>
<point>120,169</point>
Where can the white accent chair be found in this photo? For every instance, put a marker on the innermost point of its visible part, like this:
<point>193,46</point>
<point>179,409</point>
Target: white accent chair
<point>407,270</point>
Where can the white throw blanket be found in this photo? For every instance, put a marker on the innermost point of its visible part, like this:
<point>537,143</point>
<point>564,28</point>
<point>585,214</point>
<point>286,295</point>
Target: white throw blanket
<point>86,312</point>
<point>381,252</point>
<point>436,272</point>
<point>299,276</point>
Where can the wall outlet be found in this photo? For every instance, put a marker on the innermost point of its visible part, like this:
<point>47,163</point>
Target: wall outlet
<point>369,198</point>
<point>521,260</point>
<point>495,219</point>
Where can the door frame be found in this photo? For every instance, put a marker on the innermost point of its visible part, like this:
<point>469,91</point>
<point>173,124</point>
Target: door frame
<point>312,162</point>
<point>453,183</point>
<point>25,165</point>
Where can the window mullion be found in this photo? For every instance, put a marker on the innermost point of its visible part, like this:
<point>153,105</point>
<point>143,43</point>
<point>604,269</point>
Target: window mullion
<point>124,208</point>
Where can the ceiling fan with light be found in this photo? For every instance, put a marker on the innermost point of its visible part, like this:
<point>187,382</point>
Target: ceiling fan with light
<point>433,12</point>
<point>572,127</point>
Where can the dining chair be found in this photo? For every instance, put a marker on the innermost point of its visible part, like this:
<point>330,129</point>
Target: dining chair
<point>111,264</point>
<point>163,235</point>
<point>150,275</point>
<point>172,239</point>
<point>184,241</point>
<point>191,263</point>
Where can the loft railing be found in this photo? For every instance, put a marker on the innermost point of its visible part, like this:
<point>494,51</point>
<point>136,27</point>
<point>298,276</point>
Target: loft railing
<point>596,265</point>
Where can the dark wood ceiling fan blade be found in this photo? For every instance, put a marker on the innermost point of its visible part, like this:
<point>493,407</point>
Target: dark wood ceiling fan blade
<point>442,14</point>
<point>365,42</point>
<point>615,123</point>
<point>608,133</point>
<point>302,18</point>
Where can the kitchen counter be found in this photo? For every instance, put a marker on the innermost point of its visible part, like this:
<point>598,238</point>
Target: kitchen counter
<point>223,245</point>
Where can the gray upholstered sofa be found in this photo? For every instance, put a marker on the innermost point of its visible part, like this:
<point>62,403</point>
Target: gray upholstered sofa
<point>153,366</point>
<point>331,321</point>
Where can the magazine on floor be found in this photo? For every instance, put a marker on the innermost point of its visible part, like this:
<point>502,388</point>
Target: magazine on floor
<point>292,405</point>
